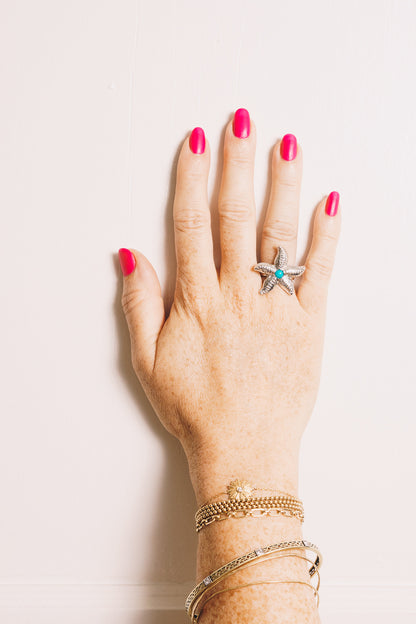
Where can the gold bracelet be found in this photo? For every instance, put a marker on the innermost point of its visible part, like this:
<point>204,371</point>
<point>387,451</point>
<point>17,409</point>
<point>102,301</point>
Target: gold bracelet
<point>227,505</point>
<point>241,489</point>
<point>207,512</point>
<point>255,512</point>
<point>240,498</point>
<point>247,560</point>
<point>316,595</point>
<point>312,571</point>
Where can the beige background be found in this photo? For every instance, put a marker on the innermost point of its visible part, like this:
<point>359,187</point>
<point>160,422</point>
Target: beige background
<point>96,98</point>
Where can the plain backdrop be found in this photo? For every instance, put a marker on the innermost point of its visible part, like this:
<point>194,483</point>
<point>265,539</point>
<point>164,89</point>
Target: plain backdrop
<point>96,518</point>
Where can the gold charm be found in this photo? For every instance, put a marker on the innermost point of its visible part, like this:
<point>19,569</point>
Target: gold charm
<point>239,490</point>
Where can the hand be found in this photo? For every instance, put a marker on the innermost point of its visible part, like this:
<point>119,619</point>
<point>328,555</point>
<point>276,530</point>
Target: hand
<point>232,373</point>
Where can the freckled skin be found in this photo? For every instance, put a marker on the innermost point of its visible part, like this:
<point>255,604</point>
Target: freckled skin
<point>228,384</point>
<point>236,359</point>
<point>234,374</point>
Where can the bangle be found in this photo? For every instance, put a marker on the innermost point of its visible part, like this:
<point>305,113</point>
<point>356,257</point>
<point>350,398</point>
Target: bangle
<point>246,560</point>
<point>194,614</point>
<point>257,583</point>
<point>221,591</point>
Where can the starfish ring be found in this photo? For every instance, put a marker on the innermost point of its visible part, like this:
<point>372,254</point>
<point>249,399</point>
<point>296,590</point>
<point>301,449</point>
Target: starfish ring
<point>278,273</point>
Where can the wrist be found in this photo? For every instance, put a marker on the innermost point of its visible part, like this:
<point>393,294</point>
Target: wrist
<point>213,467</point>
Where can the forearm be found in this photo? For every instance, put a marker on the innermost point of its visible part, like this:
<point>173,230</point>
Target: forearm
<point>221,542</point>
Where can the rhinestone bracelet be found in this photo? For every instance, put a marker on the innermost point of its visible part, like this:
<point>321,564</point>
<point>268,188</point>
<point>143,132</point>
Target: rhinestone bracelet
<point>244,561</point>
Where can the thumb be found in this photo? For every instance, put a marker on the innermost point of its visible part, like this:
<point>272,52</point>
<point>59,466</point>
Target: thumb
<point>143,307</point>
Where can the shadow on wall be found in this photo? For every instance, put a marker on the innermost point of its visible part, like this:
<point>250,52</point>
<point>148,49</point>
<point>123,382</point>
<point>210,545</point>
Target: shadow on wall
<point>162,617</point>
<point>173,540</point>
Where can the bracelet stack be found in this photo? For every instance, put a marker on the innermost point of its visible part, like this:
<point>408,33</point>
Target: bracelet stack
<point>254,507</point>
<point>241,504</point>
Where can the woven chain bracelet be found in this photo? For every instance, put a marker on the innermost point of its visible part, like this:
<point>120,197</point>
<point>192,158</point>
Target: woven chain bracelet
<point>256,511</point>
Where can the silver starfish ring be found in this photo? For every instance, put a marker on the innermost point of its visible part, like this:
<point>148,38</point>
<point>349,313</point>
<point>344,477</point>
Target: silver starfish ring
<point>278,273</point>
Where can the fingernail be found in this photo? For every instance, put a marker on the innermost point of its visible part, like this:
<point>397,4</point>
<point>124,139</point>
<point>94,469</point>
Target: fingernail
<point>331,206</point>
<point>197,141</point>
<point>127,261</point>
<point>241,124</point>
<point>289,147</point>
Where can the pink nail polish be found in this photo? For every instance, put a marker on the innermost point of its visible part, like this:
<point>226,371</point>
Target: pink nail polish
<point>127,261</point>
<point>331,206</point>
<point>241,123</point>
<point>197,141</point>
<point>289,147</point>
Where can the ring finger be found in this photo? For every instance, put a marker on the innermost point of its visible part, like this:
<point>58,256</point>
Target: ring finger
<point>281,222</point>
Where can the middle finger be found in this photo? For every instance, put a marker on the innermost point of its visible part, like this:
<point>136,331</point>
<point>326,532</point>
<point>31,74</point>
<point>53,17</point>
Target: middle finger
<point>236,206</point>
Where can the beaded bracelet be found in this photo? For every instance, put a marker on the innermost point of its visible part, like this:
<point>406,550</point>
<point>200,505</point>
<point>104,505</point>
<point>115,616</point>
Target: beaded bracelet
<point>246,560</point>
<point>240,498</point>
<point>241,489</point>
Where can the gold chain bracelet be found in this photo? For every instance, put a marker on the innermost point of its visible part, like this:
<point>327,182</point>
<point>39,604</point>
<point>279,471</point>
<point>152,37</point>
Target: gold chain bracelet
<point>208,513</point>
<point>255,512</point>
<point>267,501</point>
<point>241,499</point>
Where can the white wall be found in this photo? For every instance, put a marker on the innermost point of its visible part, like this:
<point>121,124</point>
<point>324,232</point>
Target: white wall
<point>96,97</point>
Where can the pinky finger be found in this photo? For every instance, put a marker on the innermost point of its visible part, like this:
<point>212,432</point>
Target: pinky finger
<point>313,289</point>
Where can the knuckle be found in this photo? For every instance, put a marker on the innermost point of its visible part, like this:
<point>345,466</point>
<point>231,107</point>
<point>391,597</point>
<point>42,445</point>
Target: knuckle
<point>130,300</point>
<point>239,161</point>
<point>285,231</point>
<point>239,157</point>
<point>235,209</point>
<point>321,266</point>
<point>191,221</point>
<point>328,237</point>
<point>289,183</point>
<point>191,177</point>
<point>190,299</point>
